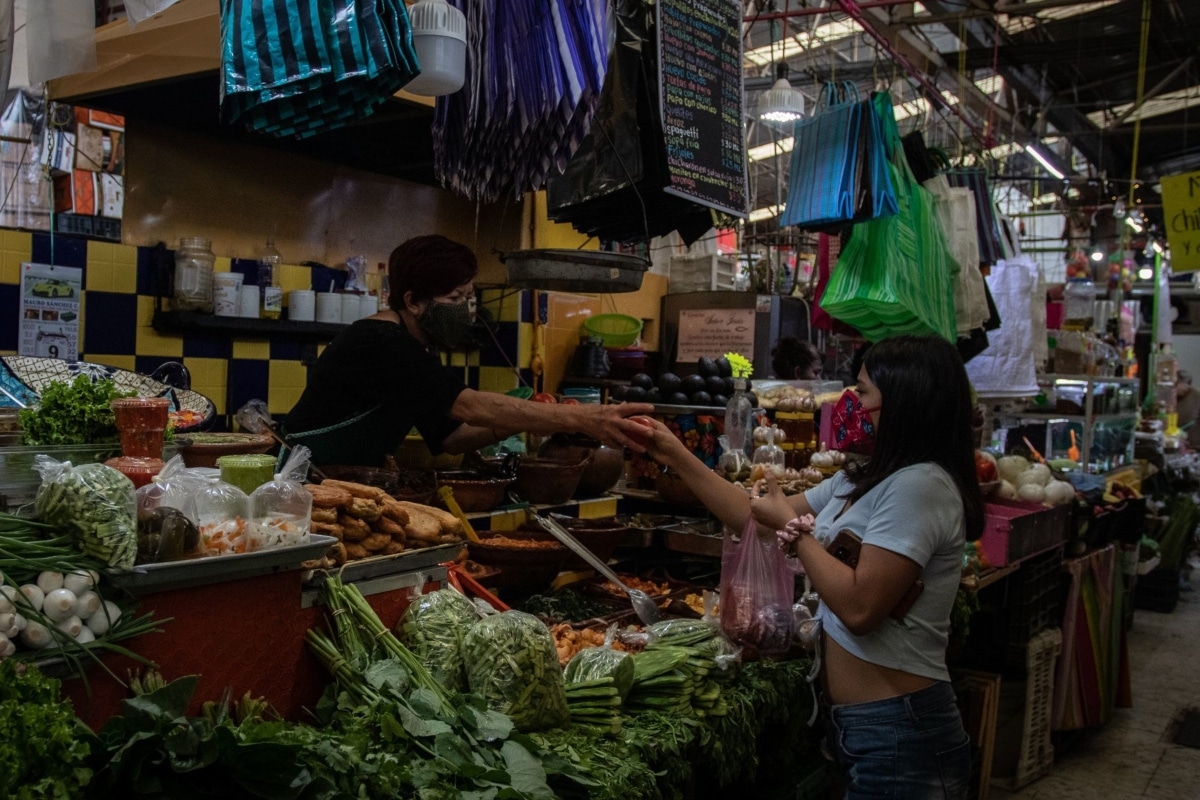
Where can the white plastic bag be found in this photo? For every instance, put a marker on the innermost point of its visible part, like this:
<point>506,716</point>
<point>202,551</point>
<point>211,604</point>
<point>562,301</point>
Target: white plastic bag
<point>281,510</point>
<point>140,10</point>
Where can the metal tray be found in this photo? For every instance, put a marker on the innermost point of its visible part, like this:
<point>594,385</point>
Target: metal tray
<point>217,569</point>
<point>408,561</point>
<point>585,271</point>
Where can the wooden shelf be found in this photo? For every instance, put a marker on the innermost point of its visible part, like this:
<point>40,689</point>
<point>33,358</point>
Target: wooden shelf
<point>191,322</point>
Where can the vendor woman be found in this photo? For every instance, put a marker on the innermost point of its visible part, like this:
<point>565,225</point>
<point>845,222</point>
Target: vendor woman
<point>383,375</point>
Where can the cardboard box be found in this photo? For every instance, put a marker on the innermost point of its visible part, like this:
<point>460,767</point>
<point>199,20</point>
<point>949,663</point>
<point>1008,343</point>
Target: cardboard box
<point>76,193</point>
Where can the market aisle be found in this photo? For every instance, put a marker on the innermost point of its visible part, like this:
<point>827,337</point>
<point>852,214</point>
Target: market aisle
<point>1131,757</point>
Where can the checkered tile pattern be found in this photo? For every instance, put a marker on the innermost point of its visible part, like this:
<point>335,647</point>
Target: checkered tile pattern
<point>118,306</point>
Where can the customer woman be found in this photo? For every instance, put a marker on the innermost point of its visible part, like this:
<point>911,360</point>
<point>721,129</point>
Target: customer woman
<point>384,374</point>
<point>796,359</point>
<point>893,725</point>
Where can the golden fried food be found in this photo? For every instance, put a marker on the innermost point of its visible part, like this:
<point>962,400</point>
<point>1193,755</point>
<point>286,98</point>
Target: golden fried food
<point>392,528</point>
<point>393,548</point>
<point>328,496</point>
<point>367,510</point>
<point>355,551</point>
<point>325,515</point>
<point>328,529</point>
<point>357,489</point>
<point>353,529</point>
<point>394,511</point>
<point>376,542</point>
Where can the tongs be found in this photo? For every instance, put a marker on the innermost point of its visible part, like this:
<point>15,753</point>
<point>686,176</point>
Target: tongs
<point>643,606</point>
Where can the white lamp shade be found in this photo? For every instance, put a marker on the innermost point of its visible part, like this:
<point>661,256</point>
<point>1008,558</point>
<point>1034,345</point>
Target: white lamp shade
<point>439,32</point>
<point>781,103</point>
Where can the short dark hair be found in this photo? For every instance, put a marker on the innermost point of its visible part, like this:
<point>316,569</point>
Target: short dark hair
<point>790,355</point>
<point>925,417</point>
<point>428,266</point>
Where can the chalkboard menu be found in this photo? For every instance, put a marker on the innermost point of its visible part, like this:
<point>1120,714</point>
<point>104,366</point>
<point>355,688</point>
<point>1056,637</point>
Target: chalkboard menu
<point>700,90</point>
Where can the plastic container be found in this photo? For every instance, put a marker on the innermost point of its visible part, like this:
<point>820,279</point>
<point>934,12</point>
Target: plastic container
<point>1079,301</point>
<point>247,472</point>
<point>194,275</point>
<point>140,471</point>
<point>614,330</point>
<point>227,290</point>
<point>142,423</point>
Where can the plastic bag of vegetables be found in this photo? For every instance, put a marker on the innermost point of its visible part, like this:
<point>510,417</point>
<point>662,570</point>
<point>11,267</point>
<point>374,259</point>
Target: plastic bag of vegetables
<point>511,663</point>
<point>433,627</point>
<point>281,510</point>
<point>598,663</point>
<point>166,514</point>
<point>95,503</point>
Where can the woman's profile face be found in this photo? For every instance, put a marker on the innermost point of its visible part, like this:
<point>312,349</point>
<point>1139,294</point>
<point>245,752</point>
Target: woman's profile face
<point>869,396</point>
<point>811,373</point>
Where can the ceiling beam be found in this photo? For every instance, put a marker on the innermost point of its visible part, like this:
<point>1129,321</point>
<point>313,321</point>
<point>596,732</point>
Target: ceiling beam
<point>1152,93</point>
<point>1009,9</point>
<point>1027,80</point>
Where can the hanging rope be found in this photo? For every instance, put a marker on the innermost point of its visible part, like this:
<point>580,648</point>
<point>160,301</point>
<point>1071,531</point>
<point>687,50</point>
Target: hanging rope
<point>1141,88</point>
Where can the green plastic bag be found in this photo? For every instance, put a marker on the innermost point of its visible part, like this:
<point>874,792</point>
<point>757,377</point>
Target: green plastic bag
<point>895,275</point>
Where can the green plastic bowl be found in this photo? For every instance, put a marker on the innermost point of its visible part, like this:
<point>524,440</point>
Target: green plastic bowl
<point>523,392</point>
<point>614,330</point>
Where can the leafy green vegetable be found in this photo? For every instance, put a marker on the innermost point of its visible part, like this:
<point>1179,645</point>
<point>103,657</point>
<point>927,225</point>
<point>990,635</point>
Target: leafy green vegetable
<point>73,413</point>
<point>511,662</point>
<point>95,503</point>
<point>433,627</point>
<point>566,605</point>
<point>44,749</point>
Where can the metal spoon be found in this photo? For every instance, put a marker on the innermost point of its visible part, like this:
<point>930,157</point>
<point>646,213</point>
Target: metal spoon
<point>643,606</point>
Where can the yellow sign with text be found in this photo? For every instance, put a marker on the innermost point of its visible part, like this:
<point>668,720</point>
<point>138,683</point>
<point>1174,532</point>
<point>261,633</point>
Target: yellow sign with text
<point>1181,212</point>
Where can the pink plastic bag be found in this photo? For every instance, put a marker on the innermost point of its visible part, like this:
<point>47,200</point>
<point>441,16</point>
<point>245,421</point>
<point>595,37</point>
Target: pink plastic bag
<point>757,588</point>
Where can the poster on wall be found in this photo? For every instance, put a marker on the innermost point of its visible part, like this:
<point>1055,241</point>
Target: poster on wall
<point>715,332</point>
<point>1181,213</point>
<point>50,311</point>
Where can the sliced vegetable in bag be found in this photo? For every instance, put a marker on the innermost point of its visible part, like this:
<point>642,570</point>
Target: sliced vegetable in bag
<point>598,663</point>
<point>93,502</point>
<point>433,627</point>
<point>281,510</point>
<point>512,664</point>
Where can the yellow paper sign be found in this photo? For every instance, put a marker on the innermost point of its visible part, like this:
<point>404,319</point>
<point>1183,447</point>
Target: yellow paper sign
<point>1181,211</point>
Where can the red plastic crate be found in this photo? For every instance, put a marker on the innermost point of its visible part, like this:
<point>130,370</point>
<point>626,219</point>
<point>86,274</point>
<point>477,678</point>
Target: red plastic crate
<point>1014,530</point>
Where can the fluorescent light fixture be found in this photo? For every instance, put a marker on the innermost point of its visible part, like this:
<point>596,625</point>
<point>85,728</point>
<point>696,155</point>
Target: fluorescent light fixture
<point>1158,248</point>
<point>761,214</point>
<point>1145,273</point>
<point>1041,159</point>
<point>1134,223</point>
<point>782,102</point>
<point>765,151</point>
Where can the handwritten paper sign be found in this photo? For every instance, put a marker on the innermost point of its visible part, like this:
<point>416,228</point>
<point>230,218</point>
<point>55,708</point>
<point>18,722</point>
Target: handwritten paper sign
<point>700,93</point>
<point>1181,212</point>
<point>714,333</point>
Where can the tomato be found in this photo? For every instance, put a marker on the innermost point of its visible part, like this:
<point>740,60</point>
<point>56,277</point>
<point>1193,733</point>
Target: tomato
<point>570,401</point>
<point>985,468</point>
<point>544,397</point>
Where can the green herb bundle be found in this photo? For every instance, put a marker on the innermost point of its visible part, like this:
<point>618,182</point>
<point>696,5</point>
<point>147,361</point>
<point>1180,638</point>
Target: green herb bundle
<point>44,749</point>
<point>78,412</point>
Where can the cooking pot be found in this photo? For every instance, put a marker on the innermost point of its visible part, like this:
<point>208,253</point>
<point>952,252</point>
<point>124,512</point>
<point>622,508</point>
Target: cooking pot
<point>604,470</point>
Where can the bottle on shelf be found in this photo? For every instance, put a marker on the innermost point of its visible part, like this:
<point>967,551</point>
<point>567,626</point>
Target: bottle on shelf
<point>739,425</point>
<point>268,281</point>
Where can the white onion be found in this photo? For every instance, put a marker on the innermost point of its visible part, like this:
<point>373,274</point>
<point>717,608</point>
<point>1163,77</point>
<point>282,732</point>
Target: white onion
<point>7,620</point>
<point>48,581</point>
<point>12,633</point>
<point>87,604</point>
<point>105,618</point>
<point>8,595</point>
<point>36,636</point>
<point>59,605</point>
<point>78,581</point>
<point>7,648</point>
<point>1006,490</point>
<point>70,626</point>
<point>1059,493</point>
<point>1042,472</point>
<point>85,635</point>
<point>1029,477</point>
<point>1009,467</point>
<point>19,621</point>
<point>1032,493</point>
<point>34,595</point>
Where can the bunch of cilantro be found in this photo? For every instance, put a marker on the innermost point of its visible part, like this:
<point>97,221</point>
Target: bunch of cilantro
<point>79,412</point>
<point>44,748</point>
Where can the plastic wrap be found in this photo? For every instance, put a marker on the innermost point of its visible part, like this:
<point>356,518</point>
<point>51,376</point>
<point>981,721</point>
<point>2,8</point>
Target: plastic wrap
<point>95,503</point>
<point>433,627</point>
<point>140,10</point>
<point>61,38</point>
<point>512,664</point>
<point>281,510</point>
<point>166,514</point>
<point>597,663</point>
<point>222,510</point>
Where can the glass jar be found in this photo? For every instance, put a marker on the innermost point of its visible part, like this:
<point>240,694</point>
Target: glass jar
<point>142,423</point>
<point>1079,304</point>
<point>194,275</point>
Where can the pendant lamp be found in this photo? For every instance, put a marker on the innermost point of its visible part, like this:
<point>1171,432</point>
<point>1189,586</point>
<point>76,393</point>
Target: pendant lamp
<point>782,102</point>
<point>439,32</point>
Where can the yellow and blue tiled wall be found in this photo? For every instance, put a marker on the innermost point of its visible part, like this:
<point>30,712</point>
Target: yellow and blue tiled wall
<point>117,307</point>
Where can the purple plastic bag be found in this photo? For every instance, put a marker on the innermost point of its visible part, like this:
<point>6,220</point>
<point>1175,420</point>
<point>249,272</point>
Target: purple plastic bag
<point>757,589</point>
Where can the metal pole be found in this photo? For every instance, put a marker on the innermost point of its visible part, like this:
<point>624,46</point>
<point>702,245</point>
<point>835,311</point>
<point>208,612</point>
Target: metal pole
<point>812,12</point>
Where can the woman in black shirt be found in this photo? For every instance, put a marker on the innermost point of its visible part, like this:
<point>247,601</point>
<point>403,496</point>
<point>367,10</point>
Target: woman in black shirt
<point>383,375</point>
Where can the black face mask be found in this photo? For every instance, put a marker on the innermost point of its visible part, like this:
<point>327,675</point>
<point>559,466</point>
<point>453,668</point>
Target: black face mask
<point>447,325</point>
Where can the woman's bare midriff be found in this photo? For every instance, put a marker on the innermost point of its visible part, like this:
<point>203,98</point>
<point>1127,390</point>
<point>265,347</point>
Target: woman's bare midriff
<point>848,680</point>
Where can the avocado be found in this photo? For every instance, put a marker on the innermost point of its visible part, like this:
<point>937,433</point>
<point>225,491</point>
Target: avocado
<point>642,381</point>
<point>633,394</point>
<point>654,395</point>
<point>692,384</point>
<point>706,367</point>
<point>702,399</point>
<point>669,383</point>
<point>728,381</point>
<point>678,399</point>
<point>720,400</point>
<point>715,385</point>
<point>724,369</point>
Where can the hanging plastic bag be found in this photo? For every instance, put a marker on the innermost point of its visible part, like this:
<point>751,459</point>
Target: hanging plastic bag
<point>166,514</point>
<point>95,503</point>
<point>140,10</point>
<point>60,38</point>
<point>281,510</point>
<point>433,627</point>
<point>756,592</point>
<point>513,665</point>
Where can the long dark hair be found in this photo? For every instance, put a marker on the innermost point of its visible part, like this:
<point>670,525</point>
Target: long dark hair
<point>925,417</point>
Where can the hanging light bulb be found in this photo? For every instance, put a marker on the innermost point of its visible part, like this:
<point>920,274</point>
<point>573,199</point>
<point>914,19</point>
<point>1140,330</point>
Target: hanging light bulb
<point>439,33</point>
<point>782,102</point>
<point>1119,208</point>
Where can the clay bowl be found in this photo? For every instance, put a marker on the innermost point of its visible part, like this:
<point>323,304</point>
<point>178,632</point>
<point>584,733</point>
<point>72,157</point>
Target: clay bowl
<point>672,489</point>
<point>473,491</point>
<point>601,536</point>
<point>603,471</point>
<point>522,570</point>
<point>549,481</point>
<point>203,449</point>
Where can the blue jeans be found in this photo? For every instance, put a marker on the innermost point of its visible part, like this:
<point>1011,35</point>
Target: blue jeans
<point>911,747</point>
